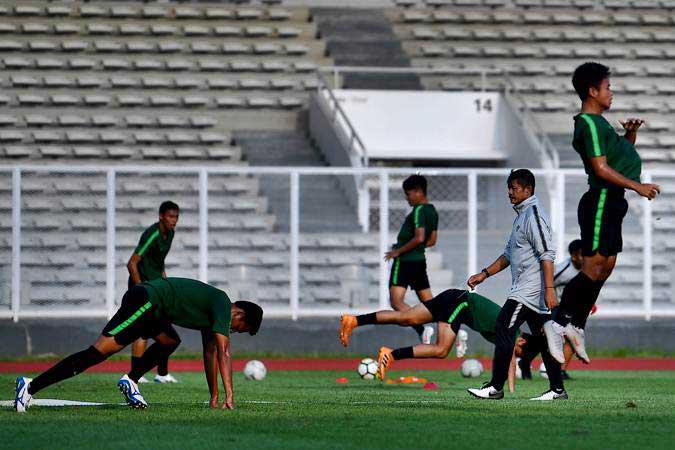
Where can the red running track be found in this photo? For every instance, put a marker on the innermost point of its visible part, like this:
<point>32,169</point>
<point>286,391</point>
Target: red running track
<point>182,365</point>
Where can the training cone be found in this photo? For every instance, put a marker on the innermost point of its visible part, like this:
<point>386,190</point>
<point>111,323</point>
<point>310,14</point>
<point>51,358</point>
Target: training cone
<point>341,380</point>
<point>430,386</point>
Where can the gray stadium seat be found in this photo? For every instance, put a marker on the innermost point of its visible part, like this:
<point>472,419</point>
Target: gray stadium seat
<point>74,46</point>
<point>212,65</point>
<point>187,13</point>
<point>71,120</point>
<point>218,13</point>
<point>221,83</point>
<point>179,64</point>
<point>96,100</point>
<point>282,84</point>
<point>30,99</point>
<point>194,100</point>
<point>163,29</point>
<point>196,30</point>
<point>296,49</point>
<point>42,46</point>
<point>227,31</point>
<point>93,11</point>
<point>154,12</point>
<point>202,121</point>
<point>229,102</point>
<point>122,12</point>
<point>234,48</point>
<point>104,120</point>
<point>170,47</point>
<point>100,28</point>
<point>35,28</point>
<point>112,137</point>
<point>58,10</point>
<point>131,29</point>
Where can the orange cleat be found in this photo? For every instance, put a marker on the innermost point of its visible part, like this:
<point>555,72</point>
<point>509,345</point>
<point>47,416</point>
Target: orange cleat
<point>384,361</point>
<point>347,324</point>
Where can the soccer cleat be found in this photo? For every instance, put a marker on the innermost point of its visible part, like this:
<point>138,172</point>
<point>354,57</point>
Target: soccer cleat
<point>576,338</point>
<point>461,345</point>
<point>22,398</point>
<point>427,334</point>
<point>168,378</point>
<point>384,361</point>
<point>143,380</point>
<point>487,392</point>
<point>555,336</point>
<point>131,393</point>
<point>525,369</point>
<point>552,395</point>
<point>347,324</point>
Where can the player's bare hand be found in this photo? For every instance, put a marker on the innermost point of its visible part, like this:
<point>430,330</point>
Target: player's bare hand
<point>228,403</point>
<point>550,298</point>
<point>649,190</point>
<point>392,254</point>
<point>475,280</point>
<point>213,403</point>
<point>631,124</point>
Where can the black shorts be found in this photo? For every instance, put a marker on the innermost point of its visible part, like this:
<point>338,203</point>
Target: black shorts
<point>600,214</point>
<point>409,273</point>
<point>451,306</point>
<point>135,319</point>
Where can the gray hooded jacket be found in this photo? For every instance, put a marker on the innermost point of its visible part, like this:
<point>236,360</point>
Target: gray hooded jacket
<point>530,243</point>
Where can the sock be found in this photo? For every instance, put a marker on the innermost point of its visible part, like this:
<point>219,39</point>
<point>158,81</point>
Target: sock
<point>419,329</point>
<point>67,368</point>
<point>366,319</point>
<point>403,353</point>
<point>134,361</point>
<point>573,297</point>
<point>150,359</point>
<point>163,366</point>
<point>581,315</point>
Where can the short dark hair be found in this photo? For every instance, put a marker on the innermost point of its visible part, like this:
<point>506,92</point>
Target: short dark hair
<point>168,206</point>
<point>575,246</point>
<point>253,315</point>
<point>588,75</point>
<point>523,177</point>
<point>415,182</point>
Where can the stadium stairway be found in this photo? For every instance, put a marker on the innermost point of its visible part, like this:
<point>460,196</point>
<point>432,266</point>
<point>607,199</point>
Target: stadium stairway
<point>364,39</point>
<point>284,148</point>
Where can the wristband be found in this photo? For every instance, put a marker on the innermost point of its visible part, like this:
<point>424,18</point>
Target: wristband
<point>549,287</point>
<point>487,274</point>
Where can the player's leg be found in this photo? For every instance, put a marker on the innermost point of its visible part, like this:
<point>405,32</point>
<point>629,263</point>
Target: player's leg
<point>527,348</point>
<point>413,316</point>
<point>403,274</point>
<point>166,342</point>
<point>569,353</point>
<point>137,349</point>
<point>556,387</point>
<point>424,295</point>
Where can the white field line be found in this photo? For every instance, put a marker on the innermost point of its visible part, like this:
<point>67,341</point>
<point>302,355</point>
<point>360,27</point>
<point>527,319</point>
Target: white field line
<point>57,402</point>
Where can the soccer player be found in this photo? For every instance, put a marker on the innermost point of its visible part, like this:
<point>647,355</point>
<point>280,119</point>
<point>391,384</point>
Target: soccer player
<point>147,263</point>
<point>532,295</point>
<point>450,309</point>
<point>613,165</point>
<point>409,267</point>
<point>150,309</point>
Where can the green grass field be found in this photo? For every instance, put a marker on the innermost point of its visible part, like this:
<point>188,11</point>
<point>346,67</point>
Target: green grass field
<point>308,410</point>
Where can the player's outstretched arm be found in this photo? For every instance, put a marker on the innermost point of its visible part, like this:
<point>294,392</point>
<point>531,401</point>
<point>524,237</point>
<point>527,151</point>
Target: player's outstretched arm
<point>132,267</point>
<point>500,264</point>
<point>444,341</point>
<point>631,126</point>
<point>225,367</point>
<point>603,171</point>
<point>512,374</point>
<point>210,365</point>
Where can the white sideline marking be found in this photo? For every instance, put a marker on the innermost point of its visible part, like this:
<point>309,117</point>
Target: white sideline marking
<point>58,402</point>
<point>54,402</point>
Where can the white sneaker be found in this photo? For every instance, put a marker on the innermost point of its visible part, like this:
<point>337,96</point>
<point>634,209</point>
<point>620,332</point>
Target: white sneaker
<point>552,395</point>
<point>427,334</point>
<point>576,337</point>
<point>555,336</point>
<point>168,378</point>
<point>143,380</point>
<point>487,392</point>
<point>131,393</point>
<point>22,398</point>
<point>461,344</point>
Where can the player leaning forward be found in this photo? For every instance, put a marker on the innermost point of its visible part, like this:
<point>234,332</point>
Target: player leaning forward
<point>613,165</point>
<point>149,310</point>
<point>530,254</point>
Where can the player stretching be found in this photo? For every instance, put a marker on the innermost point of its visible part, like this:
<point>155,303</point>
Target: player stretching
<point>450,309</point>
<point>147,263</point>
<point>150,310</point>
<point>532,295</point>
<point>409,268</point>
<point>613,165</point>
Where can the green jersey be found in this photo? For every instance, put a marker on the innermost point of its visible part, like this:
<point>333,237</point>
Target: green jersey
<point>190,304</point>
<point>593,137</point>
<point>422,216</point>
<point>153,248</point>
<point>484,314</point>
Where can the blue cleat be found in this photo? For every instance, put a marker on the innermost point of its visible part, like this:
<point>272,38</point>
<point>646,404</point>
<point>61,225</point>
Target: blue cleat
<point>23,398</point>
<point>131,393</point>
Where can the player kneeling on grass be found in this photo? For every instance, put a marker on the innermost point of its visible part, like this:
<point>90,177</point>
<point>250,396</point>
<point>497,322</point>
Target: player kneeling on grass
<point>450,309</point>
<point>149,310</point>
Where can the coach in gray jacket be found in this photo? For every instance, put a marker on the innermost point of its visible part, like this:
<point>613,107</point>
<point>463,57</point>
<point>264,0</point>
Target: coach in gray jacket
<point>530,254</point>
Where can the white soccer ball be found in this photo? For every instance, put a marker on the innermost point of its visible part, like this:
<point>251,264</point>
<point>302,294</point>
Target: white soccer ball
<point>367,369</point>
<point>255,370</point>
<point>519,373</point>
<point>471,368</point>
<point>542,371</point>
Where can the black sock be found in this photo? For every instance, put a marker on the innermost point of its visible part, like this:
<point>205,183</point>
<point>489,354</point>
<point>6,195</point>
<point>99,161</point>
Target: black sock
<point>584,310</point>
<point>419,329</point>
<point>67,368</point>
<point>366,319</point>
<point>163,366</point>
<point>403,353</point>
<point>573,299</point>
<point>134,361</point>
<point>151,357</point>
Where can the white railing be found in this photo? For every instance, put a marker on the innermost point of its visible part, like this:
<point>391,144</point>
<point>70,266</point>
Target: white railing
<point>295,309</point>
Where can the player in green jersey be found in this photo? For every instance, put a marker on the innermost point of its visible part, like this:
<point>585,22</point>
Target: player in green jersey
<point>409,265</point>
<point>149,310</point>
<point>451,309</point>
<point>147,263</point>
<point>613,165</point>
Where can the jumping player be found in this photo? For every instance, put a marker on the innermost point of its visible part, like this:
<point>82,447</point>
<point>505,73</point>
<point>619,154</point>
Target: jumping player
<point>149,310</point>
<point>613,165</point>
<point>451,309</point>
<point>532,295</point>
<point>409,267</point>
<point>146,264</point>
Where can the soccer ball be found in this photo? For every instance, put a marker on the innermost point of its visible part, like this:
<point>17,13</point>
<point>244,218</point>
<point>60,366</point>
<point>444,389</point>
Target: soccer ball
<point>255,370</point>
<point>519,373</point>
<point>367,369</point>
<point>471,368</point>
<point>542,371</point>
